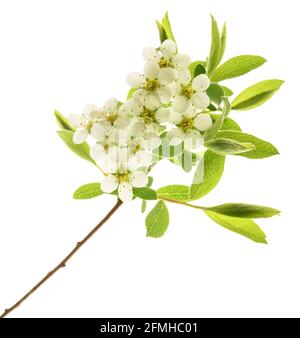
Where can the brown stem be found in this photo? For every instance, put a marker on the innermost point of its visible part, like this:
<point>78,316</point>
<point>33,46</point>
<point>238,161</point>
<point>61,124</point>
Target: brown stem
<point>62,264</point>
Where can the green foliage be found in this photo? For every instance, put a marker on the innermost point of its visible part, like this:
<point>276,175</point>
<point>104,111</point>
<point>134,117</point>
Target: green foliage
<point>226,146</point>
<point>82,150</point>
<point>174,192</point>
<point>145,193</point>
<point>215,93</point>
<point>228,123</point>
<point>197,67</point>
<point>227,91</point>
<point>161,31</point>
<point>157,220</point>
<point>215,47</point>
<point>212,132</point>
<point>165,29</point>
<point>184,160</point>
<point>223,43</point>
<point>243,210</point>
<point>243,226</point>
<point>63,122</point>
<point>213,167</point>
<point>237,66</point>
<point>144,206</point>
<point>262,149</point>
<point>256,95</point>
<point>87,191</point>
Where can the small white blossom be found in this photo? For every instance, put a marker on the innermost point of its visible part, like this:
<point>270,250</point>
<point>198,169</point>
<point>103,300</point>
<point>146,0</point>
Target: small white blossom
<point>167,56</point>
<point>189,126</point>
<point>84,123</point>
<point>189,92</point>
<point>124,181</point>
<point>152,86</point>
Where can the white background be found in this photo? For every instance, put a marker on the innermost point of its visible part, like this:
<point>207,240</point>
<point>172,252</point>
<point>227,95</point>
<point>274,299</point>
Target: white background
<point>64,54</point>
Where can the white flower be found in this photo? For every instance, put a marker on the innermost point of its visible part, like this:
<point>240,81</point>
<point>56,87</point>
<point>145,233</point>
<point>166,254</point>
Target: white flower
<point>190,92</point>
<point>111,119</point>
<point>152,118</point>
<point>189,126</point>
<point>84,123</point>
<point>167,56</point>
<point>152,86</point>
<point>124,181</point>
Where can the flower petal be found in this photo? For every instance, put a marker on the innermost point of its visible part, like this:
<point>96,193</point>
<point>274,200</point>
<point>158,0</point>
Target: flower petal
<point>162,115</point>
<point>111,105</point>
<point>138,129</point>
<point>175,117</point>
<point>166,76</point>
<point>152,101</point>
<point>181,60</point>
<point>136,80</point>
<point>183,76</point>
<point>200,100</point>
<point>151,69</point>
<point>168,48</point>
<point>122,122</point>
<point>138,179</point>
<point>125,192</point>
<point>133,107</point>
<point>175,136</point>
<point>109,184</point>
<point>180,103</point>
<point>193,139</point>
<point>142,158</point>
<point>165,94</point>
<point>78,121</point>
<point>152,140</point>
<point>80,136</point>
<point>201,82</point>
<point>203,122</point>
<point>97,152</point>
<point>151,54</point>
<point>98,131</point>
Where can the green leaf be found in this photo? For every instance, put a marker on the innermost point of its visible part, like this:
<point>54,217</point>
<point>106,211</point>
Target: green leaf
<point>144,206</point>
<point>162,32</point>
<point>211,133</point>
<point>228,123</point>
<point>243,226</point>
<point>89,190</point>
<point>227,91</point>
<point>213,167</point>
<point>145,193</point>
<point>157,220</point>
<point>167,27</point>
<point>211,107</point>
<point>237,66</point>
<point>150,181</point>
<point>215,93</point>
<point>223,43</point>
<point>130,93</point>
<point>82,150</point>
<point>184,160</point>
<point>174,192</point>
<point>197,67</point>
<point>215,47</point>
<point>226,146</point>
<point>256,95</point>
<point>63,122</point>
<point>243,210</point>
<point>262,149</point>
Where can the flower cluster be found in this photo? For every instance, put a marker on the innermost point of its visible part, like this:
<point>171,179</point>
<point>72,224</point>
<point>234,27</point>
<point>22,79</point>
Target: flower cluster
<point>165,102</point>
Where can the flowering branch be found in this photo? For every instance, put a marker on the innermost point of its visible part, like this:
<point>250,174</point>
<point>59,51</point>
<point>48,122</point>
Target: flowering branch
<point>63,263</point>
